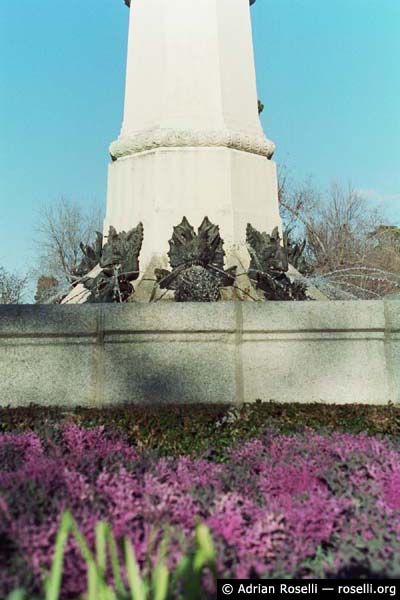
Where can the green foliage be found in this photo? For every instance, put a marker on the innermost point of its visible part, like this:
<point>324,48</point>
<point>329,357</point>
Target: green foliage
<point>160,585</point>
<point>206,431</point>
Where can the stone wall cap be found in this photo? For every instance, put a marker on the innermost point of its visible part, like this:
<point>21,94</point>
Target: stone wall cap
<point>333,315</point>
<point>46,320</point>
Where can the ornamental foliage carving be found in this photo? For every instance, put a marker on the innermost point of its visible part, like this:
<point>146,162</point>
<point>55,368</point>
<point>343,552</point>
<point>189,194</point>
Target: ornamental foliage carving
<point>178,138</point>
<point>91,256</point>
<point>269,265</point>
<point>197,261</point>
<point>117,265</point>
<point>197,264</point>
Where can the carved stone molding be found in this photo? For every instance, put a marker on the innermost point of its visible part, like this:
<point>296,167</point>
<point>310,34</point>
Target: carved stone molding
<point>181,138</point>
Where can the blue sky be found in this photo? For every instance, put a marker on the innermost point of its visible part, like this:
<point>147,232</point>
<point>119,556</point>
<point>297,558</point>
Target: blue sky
<point>328,74</point>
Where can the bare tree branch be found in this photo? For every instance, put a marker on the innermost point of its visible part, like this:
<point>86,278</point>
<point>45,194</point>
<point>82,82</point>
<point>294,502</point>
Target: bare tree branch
<point>347,244</point>
<point>12,287</point>
<point>60,230</point>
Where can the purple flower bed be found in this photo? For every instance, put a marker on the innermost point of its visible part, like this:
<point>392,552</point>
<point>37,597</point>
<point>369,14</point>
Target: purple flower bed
<point>295,506</point>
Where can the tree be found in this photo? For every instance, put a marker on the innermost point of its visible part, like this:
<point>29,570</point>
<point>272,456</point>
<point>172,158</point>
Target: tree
<point>351,254</point>
<point>12,287</point>
<point>46,287</point>
<point>61,229</point>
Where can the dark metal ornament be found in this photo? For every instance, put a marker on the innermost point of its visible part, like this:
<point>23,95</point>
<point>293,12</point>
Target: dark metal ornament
<point>109,288</point>
<point>119,263</point>
<point>123,249</point>
<point>91,256</point>
<point>296,255</point>
<point>269,265</point>
<point>197,261</point>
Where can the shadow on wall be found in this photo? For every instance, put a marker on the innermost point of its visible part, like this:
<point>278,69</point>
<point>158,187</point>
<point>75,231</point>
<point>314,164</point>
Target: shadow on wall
<point>170,369</point>
<point>226,352</point>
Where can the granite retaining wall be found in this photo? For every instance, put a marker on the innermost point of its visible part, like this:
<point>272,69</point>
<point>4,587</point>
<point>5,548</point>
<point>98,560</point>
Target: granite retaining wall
<point>97,355</point>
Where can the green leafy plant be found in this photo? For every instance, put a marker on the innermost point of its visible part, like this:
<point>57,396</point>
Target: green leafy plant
<point>206,431</point>
<point>159,585</point>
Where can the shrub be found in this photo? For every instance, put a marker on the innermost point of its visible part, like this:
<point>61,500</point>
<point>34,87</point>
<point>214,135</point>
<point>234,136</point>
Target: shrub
<point>279,506</point>
<point>126,581</point>
<point>206,430</point>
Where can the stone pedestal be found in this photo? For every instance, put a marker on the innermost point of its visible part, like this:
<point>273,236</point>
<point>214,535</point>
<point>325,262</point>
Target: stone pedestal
<point>160,186</point>
<point>191,142</point>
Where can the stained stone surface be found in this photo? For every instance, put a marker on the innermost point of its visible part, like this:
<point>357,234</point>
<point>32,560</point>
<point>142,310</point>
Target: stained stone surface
<point>339,352</point>
<point>392,319</point>
<point>331,352</point>
<point>48,355</point>
<point>46,320</point>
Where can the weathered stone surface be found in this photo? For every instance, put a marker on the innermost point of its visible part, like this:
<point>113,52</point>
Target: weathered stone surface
<point>48,371</point>
<point>171,368</point>
<point>170,352</point>
<point>146,288</point>
<point>160,186</point>
<point>172,317</point>
<point>42,320</point>
<point>48,355</point>
<point>315,352</point>
<point>392,315</point>
<point>314,316</point>
<point>224,352</point>
<point>324,368</point>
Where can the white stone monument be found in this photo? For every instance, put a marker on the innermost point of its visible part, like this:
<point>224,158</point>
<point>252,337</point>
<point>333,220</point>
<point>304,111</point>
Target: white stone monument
<point>191,142</point>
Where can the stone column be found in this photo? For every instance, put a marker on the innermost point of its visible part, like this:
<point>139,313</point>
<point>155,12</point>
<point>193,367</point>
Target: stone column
<point>191,142</point>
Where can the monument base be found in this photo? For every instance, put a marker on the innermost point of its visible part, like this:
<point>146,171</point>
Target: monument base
<point>159,187</point>
<point>224,352</point>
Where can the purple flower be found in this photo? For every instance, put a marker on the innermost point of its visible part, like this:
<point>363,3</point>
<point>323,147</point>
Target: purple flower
<point>273,507</point>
